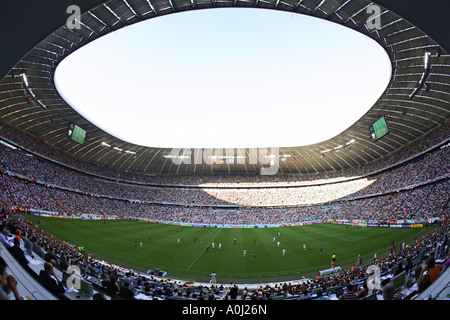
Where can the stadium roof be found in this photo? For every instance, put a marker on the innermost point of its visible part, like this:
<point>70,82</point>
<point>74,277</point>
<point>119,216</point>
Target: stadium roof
<point>411,111</point>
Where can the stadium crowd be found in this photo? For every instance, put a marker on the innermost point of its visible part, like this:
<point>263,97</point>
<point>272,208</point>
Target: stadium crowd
<point>393,193</point>
<point>420,203</point>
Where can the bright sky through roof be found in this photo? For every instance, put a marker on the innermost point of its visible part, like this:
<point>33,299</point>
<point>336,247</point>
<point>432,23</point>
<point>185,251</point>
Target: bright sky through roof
<point>226,78</point>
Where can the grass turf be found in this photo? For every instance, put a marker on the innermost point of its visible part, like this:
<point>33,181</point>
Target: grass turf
<point>114,241</point>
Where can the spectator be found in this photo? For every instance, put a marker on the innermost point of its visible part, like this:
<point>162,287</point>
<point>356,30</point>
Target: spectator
<point>234,292</point>
<point>363,293</point>
<point>111,286</point>
<point>99,296</point>
<point>4,237</point>
<point>50,256</point>
<point>8,283</point>
<point>388,291</point>
<point>20,257</point>
<point>125,291</point>
<point>409,265</point>
<point>49,280</point>
<point>38,249</point>
<point>129,278</point>
<point>147,289</point>
<point>64,264</point>
<point>400,269</point>
<point>349,294</point>
<point>429,274</point>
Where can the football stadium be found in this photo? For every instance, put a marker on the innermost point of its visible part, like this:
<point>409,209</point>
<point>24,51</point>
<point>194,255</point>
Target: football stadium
<point>147,150</point>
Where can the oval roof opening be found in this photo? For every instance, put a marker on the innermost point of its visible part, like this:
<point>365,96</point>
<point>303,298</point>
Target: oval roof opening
<point>226,78</point>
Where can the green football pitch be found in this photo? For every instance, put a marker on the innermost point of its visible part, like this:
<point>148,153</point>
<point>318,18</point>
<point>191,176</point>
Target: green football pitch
<point>118,242</point>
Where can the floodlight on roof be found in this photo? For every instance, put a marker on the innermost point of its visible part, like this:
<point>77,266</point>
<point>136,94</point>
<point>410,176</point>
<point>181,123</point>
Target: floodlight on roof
<point>25,80</point>
<point>30,94</point>
<point>427,60</point>
<point>425,75</point>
